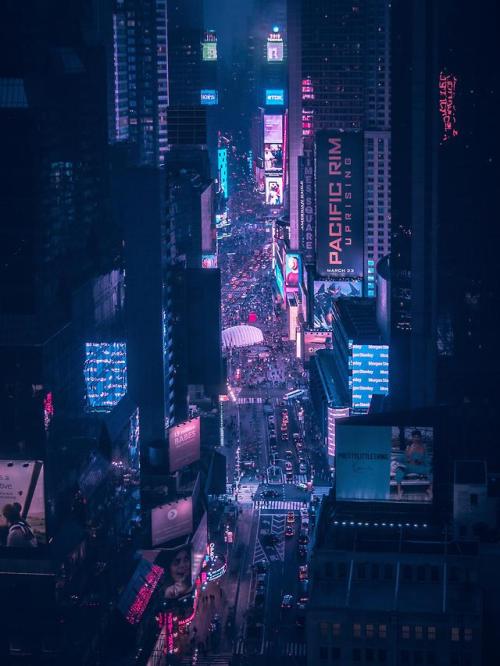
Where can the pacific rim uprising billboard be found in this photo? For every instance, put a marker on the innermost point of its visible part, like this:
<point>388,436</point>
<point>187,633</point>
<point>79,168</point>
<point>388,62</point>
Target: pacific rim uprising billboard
<point>339,204</point>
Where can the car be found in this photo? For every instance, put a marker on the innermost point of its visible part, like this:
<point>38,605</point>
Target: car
<point>302,552</point>
<point>290,518</point>
<point>302,486</point>
<point>304,525</point>
<point>303,572</point>
<point>303,538</point>
<point>302,469</point>
<point>261,566</point>
<point>271,539</point>
<point>287,601</point>
<point>288,467</point>
<point>288,455</point>
<point>289,531</point>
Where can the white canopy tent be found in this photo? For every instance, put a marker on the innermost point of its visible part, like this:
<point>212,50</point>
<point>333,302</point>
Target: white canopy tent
<point>241,336</point>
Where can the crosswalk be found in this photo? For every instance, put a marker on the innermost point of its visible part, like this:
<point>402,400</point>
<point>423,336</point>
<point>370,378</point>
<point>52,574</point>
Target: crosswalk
<point>250,401</point>
<point>279,505</point>
<point>298,478</point>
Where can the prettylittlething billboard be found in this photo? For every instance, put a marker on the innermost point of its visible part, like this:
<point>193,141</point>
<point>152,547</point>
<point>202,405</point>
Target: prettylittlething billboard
<point>22,491</point>
<point>171,521</point>
<point>273,128</point>
<point>184,444</point>
<point>339,204</point>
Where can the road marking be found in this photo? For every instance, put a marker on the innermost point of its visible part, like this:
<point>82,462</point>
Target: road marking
<point>294,650</point>
<point>279,505</point>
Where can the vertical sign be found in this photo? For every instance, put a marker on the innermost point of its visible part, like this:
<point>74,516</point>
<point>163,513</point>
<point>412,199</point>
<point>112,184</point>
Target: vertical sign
<point>339,204</point>
<point>307,204</point>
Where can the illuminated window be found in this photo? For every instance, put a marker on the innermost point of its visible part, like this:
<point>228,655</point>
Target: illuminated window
<point>382,631</point>
<point>370,631</point>
<point>419,632</point>
<point>431,633</point>
<point>336,629</point>
<point>455,634</point>
<point>323,629</point>
<point>356,630</point>
<point>467,634</point>
<point>405,631</point>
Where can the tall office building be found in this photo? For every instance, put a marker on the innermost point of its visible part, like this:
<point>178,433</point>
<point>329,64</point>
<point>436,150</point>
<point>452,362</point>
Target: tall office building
<point>339,79</point>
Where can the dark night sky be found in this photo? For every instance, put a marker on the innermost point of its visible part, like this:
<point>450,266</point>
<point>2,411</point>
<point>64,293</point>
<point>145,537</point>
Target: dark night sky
<point>229,19</point>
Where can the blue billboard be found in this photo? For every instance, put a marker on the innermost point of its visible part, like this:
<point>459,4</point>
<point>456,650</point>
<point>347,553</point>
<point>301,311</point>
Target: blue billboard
<point>222,168</point>
<point>275,97</point>
<point>105,373</point>
<point>279,280</point>
<point>369,374</point>
<point>209,97</point>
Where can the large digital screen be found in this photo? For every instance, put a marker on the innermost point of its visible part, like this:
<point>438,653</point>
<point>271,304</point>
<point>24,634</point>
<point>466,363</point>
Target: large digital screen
<point>370,374</point>
<point>385,463</point>
<point>105,373</point>
<point>293,272</point>
<point>334,413</point>
<point>22,501</point>
<point>209,261</point>
<point>325,295</point>
<point>222,167</point>
<point>339,204</point>
<point>275,97</point>
<point>184,444</point>
<point>307,204</point>
<point>209,50</point>
<point>274,190</point>
<point>273,156</point>
<point>209,97</point>
<point>176,563</point>
<point>139,590</point>
<point>273,128</point>
<point>171,521</point>
<point>314,340</point>
<point>279,280</point>
<point>274,48</point>
<point>199,547</point>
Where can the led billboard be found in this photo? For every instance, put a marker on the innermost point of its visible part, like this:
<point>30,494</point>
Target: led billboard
<point>209,261</point>
<point>184,444</point>
<point>275,97</point>
<point>274,190</point>
<point>370,374</point>
<point>261,179</point>
<point>275,48</point>
<point>279,280</point>
<point>325,295</point>
<point>273,128</point>
<point>209,97</point>
<point>105,373</point>
<point>176,563</point>
<point>209,50</point>
<point>307,204</point>
<point>273,157</point>
<point>23,503</point>
<point>314,340</point>
<point>384,463</point>
<point>171,521</point>
<point>199,547</point>
<point>334,413</point>
<point>339,204</point>
<point>222,167</point>
<point>293,272</point>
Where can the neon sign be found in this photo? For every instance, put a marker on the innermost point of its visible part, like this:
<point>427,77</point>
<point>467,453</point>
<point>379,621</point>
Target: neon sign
<point>447,93</point>
<point>144,595</point>
<point>48,410</point>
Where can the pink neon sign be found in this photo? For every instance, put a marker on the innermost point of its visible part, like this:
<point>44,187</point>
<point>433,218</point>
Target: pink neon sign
<point>447,93</point>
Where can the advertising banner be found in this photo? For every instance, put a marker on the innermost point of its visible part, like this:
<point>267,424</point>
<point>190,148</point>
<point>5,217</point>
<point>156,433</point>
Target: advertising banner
<point>209,97</point>
<point>274,190</point>
<point>389,463</point>
<point>184,444</point>
<point>339,204</point>
<point>273,157</point>
<point>314,340</point>
<point>209,261</point>
<point>177,566</point>
<point>274,48</point>
<point>209,51</point>
<point>275,97</point>
<point>22,501</point>
<point>326,293</point>
<point>273,128</point>
<point>105,373</point>
<point>171,521</point>
<point>293,272</point>
<point>199,548</point>
<point>279,280</point>
<point>370,374</point>
<point>334,413</point>
<point>307,204</point>
<point>261,179</point>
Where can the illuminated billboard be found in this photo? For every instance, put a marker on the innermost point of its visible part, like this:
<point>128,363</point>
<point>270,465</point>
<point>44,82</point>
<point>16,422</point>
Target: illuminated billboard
<point>334,413</point>
<point>314,340</point>
<point>325,295</point>
<point>199,547</point>
<point>274,190</point>
<point>261,180</point>
<point>275,47</point>
<point>293,272</point>
<point>22,501</point>
<point>209,47</point>
<point>209,261</point>
<point>105,373</point>
<point>176,563</point>
<point>273,157</point>
<point>222,168</point>
<point>370,374</point>
<point>171,521</point>
<point>273,128</point>
<point>339,204</point>
<point>184,444</point>
<point>209,97</point>
<point>139,590</point>
<point>275,97</point>
<point>279,280</point>
<point>384,463</point>
<point>307,204</point>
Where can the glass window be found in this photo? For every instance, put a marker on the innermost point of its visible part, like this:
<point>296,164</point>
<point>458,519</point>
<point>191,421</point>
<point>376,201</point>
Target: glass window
<point>455,633</point>
<point>336,654</point>
<point>336,629</point>
<point>323,629</point>
<point>405,657</point>
<point>382,656</point>
<point>382,631</point>
<point>370,631</point>
<point>356,654</point>
<point>405,631</point>
<point>467,634</point>
<point>356,630</point>
<point>369,655</point>
<point>323,653</point>
<point>419,632</point>
<point>431,633</point>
